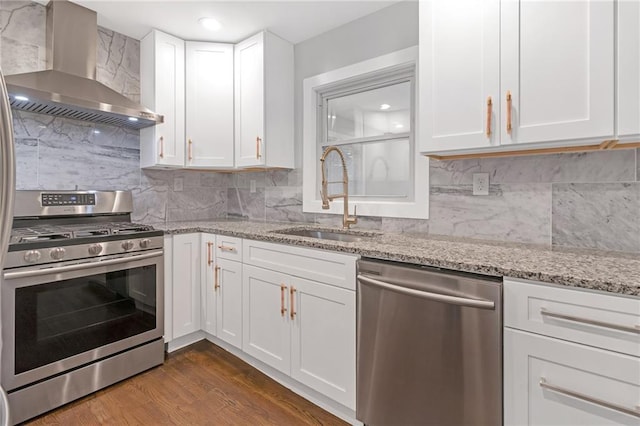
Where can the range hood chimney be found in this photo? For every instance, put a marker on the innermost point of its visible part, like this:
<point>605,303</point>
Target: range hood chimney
<point>68,87</point>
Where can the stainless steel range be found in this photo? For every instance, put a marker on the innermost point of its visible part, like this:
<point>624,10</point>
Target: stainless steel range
<point>82,298</point>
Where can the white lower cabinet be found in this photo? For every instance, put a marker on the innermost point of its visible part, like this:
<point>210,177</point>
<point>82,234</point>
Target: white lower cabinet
<point>323,339</point>
<point>221,293</point>
<point>298,318</point>
<point>552,382</point>
<point>301,327</point>
<point>570,356</point>
<point>266,326</point>
<point>185,285</point>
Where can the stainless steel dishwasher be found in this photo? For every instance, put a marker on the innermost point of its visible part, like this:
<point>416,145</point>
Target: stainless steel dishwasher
<point>429,346</point>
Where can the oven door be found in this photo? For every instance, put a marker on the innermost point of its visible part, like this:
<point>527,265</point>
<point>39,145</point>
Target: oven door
<point>56,318</point>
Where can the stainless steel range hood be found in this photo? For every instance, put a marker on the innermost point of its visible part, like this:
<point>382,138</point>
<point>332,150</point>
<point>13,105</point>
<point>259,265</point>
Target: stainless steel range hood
<point>68,87</point>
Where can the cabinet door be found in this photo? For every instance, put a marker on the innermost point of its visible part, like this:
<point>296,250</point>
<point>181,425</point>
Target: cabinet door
<point>249,101</point>
<point>209,104</point>
<point>541,374</point>
<point>186,284</point>
<point>324,339</point>
<point>162,82</point>
<point>208,283</point>
<point>557,62</point>
<point>265,320</point>
<point>229,302</point>
<point>628,68</point>
<point>459,72</point>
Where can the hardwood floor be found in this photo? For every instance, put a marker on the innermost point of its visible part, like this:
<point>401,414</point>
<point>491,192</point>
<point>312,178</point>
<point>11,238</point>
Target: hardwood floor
<point>199,385</point>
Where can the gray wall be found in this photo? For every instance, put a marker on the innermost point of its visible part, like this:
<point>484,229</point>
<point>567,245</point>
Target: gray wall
<point>570,200</point>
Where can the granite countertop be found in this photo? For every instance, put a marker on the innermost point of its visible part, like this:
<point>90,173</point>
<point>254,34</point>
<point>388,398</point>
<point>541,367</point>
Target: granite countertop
<point>611,272</point>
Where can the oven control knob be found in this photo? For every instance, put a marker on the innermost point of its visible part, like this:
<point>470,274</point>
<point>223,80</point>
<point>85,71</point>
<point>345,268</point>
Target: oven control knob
<point>32,256</point>
<point>145,243</point>
<point>127,245</point>
<point>57,253</point>
<point>95,249</point>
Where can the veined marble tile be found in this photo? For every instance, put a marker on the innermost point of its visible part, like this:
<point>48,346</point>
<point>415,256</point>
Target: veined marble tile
<point>18,57</point>
<point>602,216</point>
<point>243,180</point>
<point>606,166</point>
<point>24,21</point>
<point>103,134</point>
<point>156,178</point>
<point>50,128</point>
<point>277,178</point>
<point>511,212</point>
<point>241,202</point>
<point>197,204</point>
<point>214,179</point>
<point>118,63</point>
<point>150,204</point>
<point>401,225</point>
<point>284,204</point>
<point>63,165</point>
<point>26,163</point>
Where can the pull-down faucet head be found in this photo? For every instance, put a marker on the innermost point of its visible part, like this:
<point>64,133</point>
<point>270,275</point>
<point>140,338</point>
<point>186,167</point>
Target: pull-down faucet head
<point>326,197</point>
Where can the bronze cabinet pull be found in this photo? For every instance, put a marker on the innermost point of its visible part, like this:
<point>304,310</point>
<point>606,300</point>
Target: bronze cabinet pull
<point>161,146</point>
<point>209,259</point>
<point>489,112</point>
<point>258,141</point>
<point>283,288</point>
<point>190,150</point>
<point>216,273</point>
<point>292,297</point>
<point>509,112</point>
<point>226,248</point>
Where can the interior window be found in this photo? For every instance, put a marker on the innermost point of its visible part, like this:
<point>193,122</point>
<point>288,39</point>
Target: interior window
<point>367,110</point>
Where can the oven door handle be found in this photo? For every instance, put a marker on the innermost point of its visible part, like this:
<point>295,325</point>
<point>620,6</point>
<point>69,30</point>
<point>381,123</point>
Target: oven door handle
<point>90,265</point>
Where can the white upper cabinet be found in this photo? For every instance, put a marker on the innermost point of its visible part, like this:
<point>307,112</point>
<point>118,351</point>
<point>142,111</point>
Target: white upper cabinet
<point>628,68</point>
<point>209,105</point>
<point>459,74</point>
<point>162,90</point>
<point>264,102</point>
<point>557,62</point>
<point>495,74</point>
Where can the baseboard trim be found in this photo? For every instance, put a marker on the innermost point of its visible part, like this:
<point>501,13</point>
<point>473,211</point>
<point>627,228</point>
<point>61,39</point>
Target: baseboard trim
<point>184,341</point>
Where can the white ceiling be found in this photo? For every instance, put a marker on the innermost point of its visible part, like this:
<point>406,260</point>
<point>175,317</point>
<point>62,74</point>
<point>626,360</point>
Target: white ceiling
<point>295,20</point>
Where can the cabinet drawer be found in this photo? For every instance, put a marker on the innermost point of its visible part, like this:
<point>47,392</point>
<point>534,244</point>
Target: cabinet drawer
<point>317,265</point>
<point>229,248</point>
<point>603,320</point>
<point>553,382</point>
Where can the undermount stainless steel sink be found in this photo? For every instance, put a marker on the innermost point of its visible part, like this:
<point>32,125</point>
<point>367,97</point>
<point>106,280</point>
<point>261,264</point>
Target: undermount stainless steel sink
<point>324,235</point>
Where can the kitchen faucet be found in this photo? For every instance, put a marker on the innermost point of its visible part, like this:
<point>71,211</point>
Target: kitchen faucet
<point>346,219</point>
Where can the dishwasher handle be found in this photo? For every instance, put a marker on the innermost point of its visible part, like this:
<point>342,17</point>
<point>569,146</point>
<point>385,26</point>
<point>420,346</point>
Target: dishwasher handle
<point>443,298</point>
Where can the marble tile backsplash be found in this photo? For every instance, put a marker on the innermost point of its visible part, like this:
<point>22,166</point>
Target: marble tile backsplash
<point>579,200</point>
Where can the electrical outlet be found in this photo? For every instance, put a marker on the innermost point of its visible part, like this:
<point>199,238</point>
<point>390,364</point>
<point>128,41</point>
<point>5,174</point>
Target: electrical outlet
<point>178,184</point>
<point>252,186</point>
<point>481,184</point>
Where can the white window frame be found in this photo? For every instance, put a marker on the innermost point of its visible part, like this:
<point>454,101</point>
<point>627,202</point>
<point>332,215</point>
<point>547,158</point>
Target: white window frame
<point>418,208</point>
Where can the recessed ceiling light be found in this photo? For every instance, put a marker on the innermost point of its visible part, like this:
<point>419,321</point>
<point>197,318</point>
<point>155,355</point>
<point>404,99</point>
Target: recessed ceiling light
<point>399,126</point>
<point>133,119</point>
<point>97,132</point>
<point>385,106</point>
<point>21,98</point>
<point>211,24</point>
